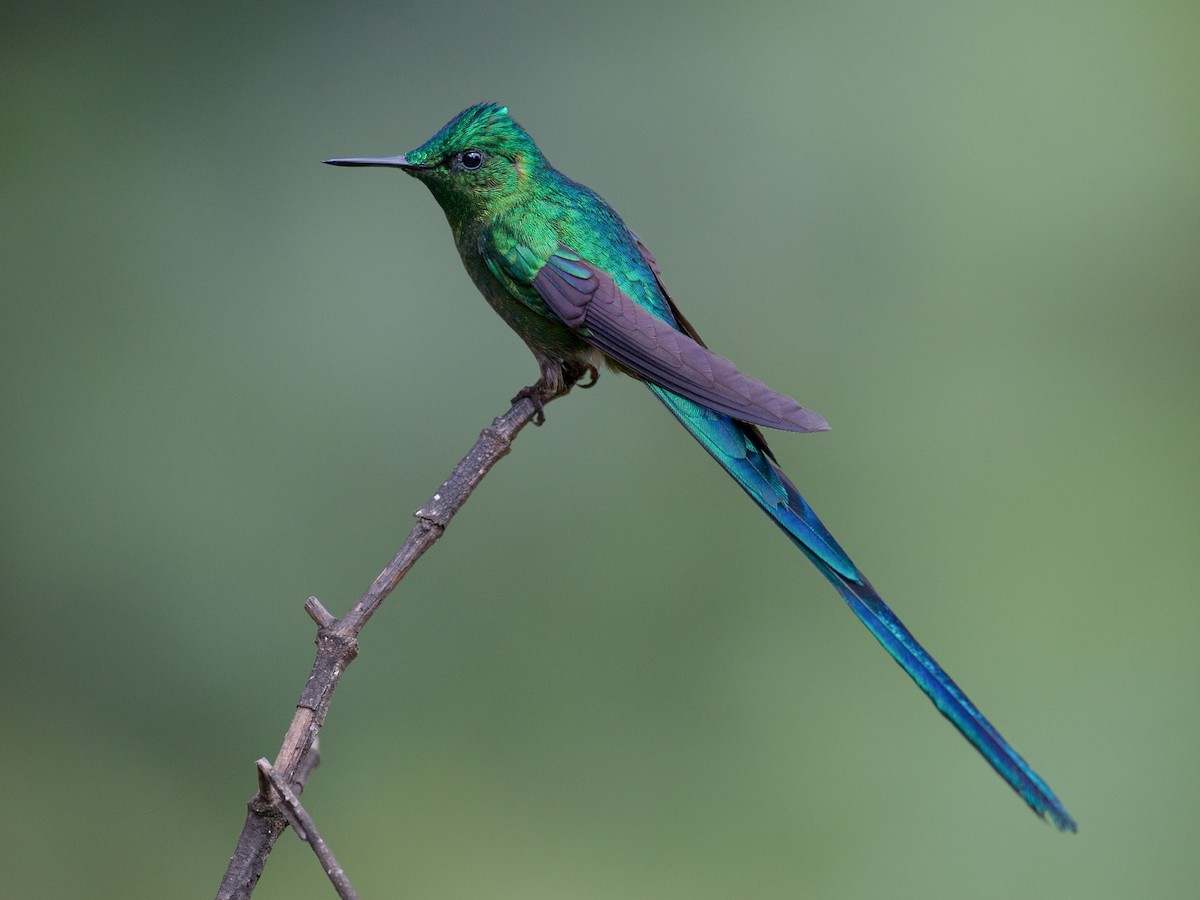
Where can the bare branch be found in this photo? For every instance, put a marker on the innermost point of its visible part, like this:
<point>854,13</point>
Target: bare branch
<point>337,645</point>
<point>318,613</point>
<point>306,830</point>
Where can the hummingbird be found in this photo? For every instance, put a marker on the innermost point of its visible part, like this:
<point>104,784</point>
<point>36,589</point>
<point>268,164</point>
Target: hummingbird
<point>584,292</point>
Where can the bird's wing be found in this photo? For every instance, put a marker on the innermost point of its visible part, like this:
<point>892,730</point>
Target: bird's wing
<point>587,298</point>
<point>683,323</point>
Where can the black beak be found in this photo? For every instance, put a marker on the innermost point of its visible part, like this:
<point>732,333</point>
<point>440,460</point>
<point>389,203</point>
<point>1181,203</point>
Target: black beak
<point>393,162</point>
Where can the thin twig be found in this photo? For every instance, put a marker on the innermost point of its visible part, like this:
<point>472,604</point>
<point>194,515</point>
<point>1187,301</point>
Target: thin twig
<point>306,830</point>
<point>337,645</point>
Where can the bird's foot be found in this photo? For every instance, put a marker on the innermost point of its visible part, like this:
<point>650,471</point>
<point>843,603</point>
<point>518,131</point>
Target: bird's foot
<point>593,375</point>
<point>557,379</point>
<point>540,393</point>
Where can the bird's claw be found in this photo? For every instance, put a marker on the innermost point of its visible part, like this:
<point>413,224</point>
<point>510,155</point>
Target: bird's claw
<point>555,385</point>
<point>538,394</point>
<point>593,375</point>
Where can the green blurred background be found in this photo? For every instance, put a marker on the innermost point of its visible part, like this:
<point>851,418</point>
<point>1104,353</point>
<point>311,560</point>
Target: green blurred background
<point>966,233</point>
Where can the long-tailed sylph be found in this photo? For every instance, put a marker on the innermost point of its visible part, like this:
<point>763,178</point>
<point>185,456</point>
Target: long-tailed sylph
<point>565,272</point>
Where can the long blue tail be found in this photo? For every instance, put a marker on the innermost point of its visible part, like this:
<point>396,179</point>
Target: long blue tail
<point>731,444</point>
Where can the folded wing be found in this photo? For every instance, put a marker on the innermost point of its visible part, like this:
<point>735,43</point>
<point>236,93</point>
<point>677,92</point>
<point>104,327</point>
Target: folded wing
<point>587,298</point>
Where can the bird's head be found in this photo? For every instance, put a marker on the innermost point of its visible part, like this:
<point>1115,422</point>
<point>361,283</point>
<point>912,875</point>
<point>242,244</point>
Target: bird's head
<point>480,162</point>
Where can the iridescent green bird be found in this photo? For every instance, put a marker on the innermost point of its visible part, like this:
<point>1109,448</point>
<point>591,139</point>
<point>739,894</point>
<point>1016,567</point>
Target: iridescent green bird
<point>563,270</point>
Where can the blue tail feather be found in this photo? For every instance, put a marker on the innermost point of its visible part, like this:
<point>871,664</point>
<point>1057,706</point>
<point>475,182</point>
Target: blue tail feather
<point>729,443</point>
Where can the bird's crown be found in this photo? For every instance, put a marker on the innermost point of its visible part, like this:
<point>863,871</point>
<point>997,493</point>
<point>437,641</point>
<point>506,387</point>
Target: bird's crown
<point>485,126</point>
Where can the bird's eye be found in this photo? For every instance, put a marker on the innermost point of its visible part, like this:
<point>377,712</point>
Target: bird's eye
<point>471,159</point>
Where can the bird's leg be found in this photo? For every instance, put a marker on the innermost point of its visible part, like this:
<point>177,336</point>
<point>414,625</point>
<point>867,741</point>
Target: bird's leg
<point>540,394</point>
<point>553,383</point>
<point>557,379</point>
